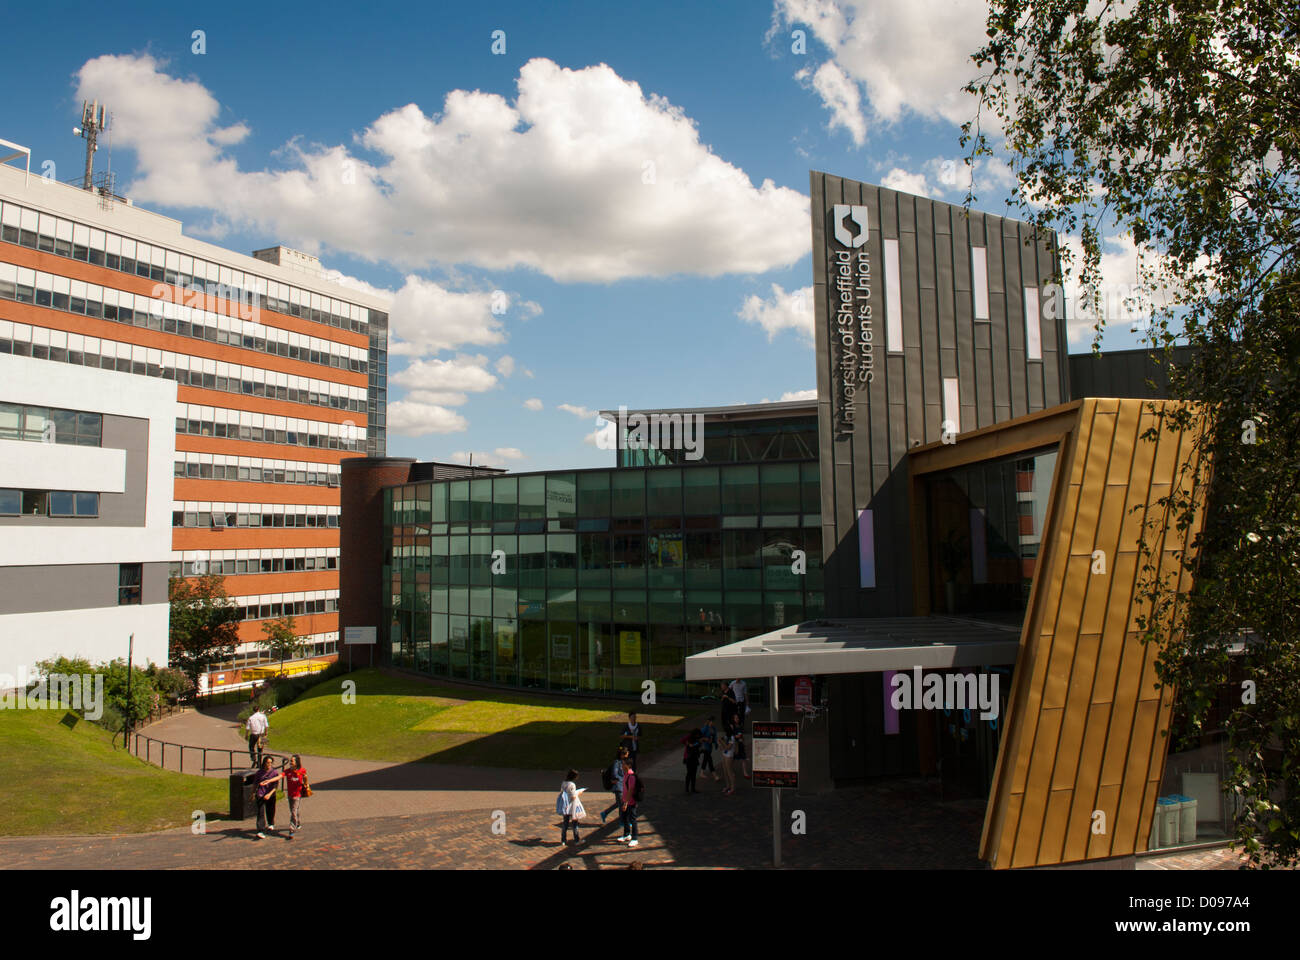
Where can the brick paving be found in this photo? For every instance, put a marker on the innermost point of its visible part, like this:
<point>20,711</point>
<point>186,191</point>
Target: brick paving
<point>434,816</point>
<point>875,828</point>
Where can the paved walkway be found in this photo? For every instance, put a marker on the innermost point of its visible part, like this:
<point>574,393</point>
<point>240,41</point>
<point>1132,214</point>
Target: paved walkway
<point>429,816</point>
<point>350,789</point>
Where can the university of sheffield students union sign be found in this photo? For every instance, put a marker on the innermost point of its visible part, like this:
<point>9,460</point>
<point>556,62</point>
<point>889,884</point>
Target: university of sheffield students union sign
<point>849,277</point>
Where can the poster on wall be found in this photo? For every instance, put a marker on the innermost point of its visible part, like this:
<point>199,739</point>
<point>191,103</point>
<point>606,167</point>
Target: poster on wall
<point>562,646</point>
<point>505,643</point>
<point>459,638</point>
<point>629,648</point>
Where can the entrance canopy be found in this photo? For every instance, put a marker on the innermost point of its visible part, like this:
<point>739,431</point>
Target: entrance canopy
<point>860,645</point>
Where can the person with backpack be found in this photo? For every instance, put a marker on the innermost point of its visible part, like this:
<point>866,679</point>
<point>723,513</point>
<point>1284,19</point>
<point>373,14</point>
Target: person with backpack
<point>633,790</point>
<point>611,778</point>
<point>691,757</point>
<point>569,805</point>
<point>708,740</point>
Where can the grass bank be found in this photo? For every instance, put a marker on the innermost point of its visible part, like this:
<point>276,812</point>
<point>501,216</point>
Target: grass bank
<point>66,778</point>
<point>403,719</point>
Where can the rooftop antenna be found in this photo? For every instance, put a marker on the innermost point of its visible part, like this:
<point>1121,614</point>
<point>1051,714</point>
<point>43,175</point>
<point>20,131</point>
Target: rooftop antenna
<point>94,121</point>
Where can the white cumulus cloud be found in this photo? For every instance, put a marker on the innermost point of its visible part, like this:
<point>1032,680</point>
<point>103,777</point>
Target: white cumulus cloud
<point>552,180</point>
<point>533,403</point>
<point>781,311</point>
<point>912,57</point>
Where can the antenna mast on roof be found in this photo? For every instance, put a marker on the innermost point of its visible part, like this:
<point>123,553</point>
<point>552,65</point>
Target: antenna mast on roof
<point>94,121</point>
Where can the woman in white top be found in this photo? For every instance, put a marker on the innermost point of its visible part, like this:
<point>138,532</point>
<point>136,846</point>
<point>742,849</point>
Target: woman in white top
<point>569,805</point>
<point>728,752</point>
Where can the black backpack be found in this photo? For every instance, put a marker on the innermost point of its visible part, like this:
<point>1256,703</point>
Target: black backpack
<point>607,778</point>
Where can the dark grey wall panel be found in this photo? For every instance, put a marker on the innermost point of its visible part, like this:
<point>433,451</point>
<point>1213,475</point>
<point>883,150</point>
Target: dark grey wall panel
<point>73,586</point>
<point>865,466</point>
<point>125,509</point>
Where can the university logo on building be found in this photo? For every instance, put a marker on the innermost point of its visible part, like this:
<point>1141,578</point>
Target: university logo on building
<point>843,211</point>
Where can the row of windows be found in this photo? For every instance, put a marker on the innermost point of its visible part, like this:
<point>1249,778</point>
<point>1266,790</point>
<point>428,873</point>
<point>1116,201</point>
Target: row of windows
<point>209,466</point>
<point>104,303</point>
<point>297,433</point>
<point>48,503</point>
<point>50,425</point>
<point>64,238</point>
<point>271,610</point>
<point>572,656</point>
<point>708,609</point>
<point>290,515</point>
<point>776,488</point>
<point>254,565</point>
<point>42,343</point>
<point>745,559</point>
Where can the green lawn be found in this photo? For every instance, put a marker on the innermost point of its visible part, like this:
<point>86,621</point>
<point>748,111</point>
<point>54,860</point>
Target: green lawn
<point>57,780</point>
<point>403,719</point>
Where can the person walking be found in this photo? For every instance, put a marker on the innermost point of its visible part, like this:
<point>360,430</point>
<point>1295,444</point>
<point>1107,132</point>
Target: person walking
<point>741,694</point>
<point>267,781</point>
<point>728,707</point>
<point>632,737</point>
<point>728,773</point>
<point>632,790</point>
<point>616,774</point>
<point>708,741</point>
<point>741,754</point>
<point>569,805</point>
<point>691,757</point>
<point>295,787</point>
<point>256,726</point>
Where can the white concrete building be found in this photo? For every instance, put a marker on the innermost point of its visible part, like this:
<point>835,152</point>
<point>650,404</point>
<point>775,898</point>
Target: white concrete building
<point>85,512</point>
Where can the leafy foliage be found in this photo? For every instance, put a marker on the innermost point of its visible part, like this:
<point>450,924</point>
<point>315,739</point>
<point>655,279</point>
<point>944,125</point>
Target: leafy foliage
<point>1180,124</point>
<point>282,640</point>
<point>204,625</point>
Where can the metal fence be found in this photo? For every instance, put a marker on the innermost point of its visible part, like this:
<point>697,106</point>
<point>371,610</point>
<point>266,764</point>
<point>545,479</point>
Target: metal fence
<point>202,760</point>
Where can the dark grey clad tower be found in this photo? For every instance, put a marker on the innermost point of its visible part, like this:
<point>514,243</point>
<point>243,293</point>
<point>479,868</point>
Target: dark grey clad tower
<point>928,318</point>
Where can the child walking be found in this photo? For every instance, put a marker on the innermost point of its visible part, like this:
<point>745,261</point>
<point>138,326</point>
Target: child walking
<point>569,805</point>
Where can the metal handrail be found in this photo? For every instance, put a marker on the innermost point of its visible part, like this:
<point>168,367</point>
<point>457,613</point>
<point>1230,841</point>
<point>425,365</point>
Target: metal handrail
<point>133,747</point>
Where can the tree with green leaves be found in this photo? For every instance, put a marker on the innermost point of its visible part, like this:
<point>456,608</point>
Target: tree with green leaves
<point>282,640</point>
<point>1179,124</point>
<point>204,625</point>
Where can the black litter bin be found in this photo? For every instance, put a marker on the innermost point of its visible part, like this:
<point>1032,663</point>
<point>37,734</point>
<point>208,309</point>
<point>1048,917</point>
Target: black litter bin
<point>243,787</point>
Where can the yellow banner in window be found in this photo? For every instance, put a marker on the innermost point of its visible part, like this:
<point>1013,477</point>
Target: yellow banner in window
<point>629,647</point>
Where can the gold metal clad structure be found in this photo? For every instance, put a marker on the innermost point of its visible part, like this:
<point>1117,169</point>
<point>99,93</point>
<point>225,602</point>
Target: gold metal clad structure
<point>1083,752</point>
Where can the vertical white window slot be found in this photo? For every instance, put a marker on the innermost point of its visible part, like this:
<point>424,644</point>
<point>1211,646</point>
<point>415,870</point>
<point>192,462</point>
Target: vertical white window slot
<point>893,299</point>
<point>951,404</point>
<point>979,276</point>
<point>1033,327</point>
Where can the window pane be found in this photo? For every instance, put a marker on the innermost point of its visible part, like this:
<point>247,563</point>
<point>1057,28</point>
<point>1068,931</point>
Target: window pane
<point>87,504</point>
<point>34,502</point>
<point>701,490</point>
<point>11,502</point>
<point>62,504</point>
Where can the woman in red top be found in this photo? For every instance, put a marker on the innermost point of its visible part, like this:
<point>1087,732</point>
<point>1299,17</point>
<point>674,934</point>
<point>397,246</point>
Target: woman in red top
<point>295,785</point>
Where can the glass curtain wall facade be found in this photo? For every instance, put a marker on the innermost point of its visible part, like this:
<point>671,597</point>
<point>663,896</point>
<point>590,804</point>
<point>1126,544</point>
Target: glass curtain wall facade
<point>597,580</point>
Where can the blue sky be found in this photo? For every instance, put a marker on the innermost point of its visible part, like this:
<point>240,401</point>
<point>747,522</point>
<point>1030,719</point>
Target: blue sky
<point>628,180</point>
